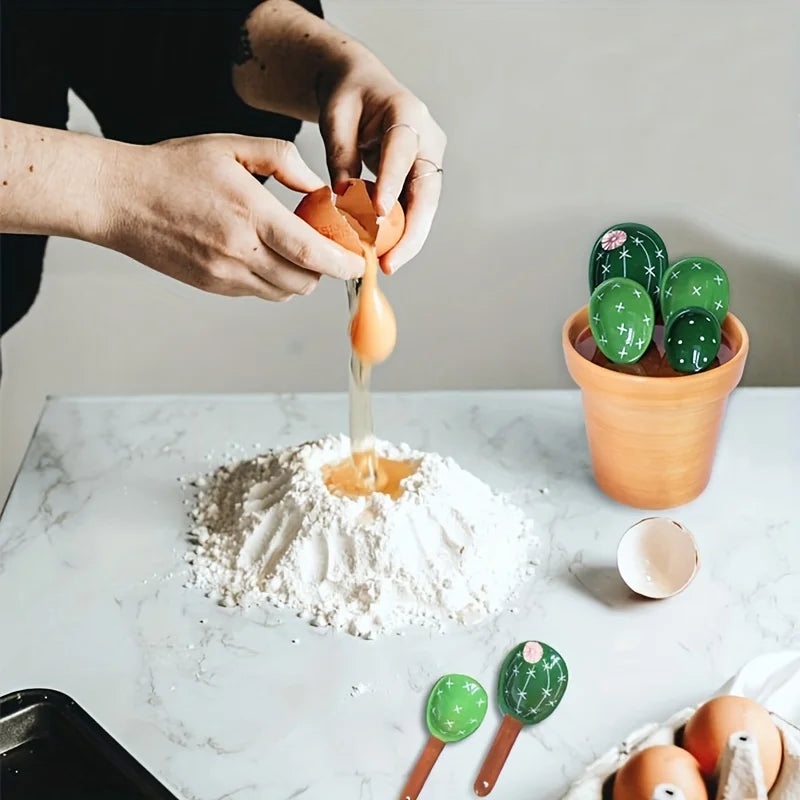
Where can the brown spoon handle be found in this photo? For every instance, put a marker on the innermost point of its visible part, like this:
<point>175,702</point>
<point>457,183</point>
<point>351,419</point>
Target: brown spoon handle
<point>497,756</point>
<point>422,769</point>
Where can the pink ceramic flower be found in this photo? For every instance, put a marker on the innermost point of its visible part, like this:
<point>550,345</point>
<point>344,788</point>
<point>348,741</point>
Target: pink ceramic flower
<point>613,239</point>
<point>532,652</point>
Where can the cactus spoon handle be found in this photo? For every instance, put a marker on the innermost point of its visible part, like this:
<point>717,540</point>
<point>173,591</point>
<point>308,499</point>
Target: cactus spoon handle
<point>422,769</point>
<point>497,756</point>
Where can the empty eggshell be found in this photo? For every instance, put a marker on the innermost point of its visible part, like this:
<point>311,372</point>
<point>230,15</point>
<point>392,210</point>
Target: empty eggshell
<point>657,557</point>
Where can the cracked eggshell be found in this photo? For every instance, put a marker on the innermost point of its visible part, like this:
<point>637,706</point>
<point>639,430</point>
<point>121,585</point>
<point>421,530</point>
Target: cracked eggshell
<point>356,202</point>
<point>657,558</point>
<point>319,211</point>
<point>349,217</point>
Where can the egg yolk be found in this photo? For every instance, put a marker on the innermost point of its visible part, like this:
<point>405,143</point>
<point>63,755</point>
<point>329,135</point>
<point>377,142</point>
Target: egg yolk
<point>373,327</point>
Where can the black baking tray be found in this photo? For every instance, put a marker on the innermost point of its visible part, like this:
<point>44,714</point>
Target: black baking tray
<point>50,748</point>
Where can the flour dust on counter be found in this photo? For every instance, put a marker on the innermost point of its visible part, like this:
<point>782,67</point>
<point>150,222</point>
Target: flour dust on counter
<point>268,531</point>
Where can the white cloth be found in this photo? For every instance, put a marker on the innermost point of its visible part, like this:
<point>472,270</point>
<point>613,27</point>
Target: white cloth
<point>772,680</point>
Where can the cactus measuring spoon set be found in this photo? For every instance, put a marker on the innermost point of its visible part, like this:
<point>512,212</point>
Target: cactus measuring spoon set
<point>632,285</point>
<point>532,682</point>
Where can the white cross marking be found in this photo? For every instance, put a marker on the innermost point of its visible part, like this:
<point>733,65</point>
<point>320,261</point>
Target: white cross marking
<point>718,305</point>
<point>675,274</point>
<point>659,253</point>
<point>622,354</point>
<point>696,266</point>
<point>646,319</point>
<point>640,342</point>
<point>619,307</point>
<point>449,684</point>
<point>600,296</point>
<point>637,240</point>
<point>522,695</point>
<point>449,723</point>
<point>615,286</point>
<point>718,279</point>
<point>596,318</point>
<point>481,701</point>
<point>637,292</point>
<point>651,271</point>
<point>598,256</point>
<point>603,340</point>
<point>621,328</point>
<point>531,672</point>
<point>606,269</point>
<point>696,290</point>
<point>668,293</point>
<point>623,254</point>
<point>457,709</point>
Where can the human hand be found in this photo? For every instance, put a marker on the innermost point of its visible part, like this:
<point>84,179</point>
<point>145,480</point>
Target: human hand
<point>192,209</point>
<point>365,114</point>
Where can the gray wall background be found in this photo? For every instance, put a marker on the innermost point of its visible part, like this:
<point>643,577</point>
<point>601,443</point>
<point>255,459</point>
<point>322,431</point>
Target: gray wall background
<point>562,118</point>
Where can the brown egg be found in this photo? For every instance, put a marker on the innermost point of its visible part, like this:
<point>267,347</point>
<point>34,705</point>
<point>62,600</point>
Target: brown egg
<point>639,777</point>
<point>709,729</point>
<point>349,218</point>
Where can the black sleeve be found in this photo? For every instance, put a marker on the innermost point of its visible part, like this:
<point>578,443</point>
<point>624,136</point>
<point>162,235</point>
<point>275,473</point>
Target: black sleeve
<point>153,70</point>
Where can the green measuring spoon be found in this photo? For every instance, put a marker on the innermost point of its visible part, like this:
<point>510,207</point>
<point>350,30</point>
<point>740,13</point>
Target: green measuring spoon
<point>456,708</point>
<point>532,683</point>
<point>629,250</point>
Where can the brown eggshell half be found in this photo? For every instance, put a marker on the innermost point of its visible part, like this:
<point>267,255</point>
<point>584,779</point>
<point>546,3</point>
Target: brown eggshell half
<point>318,210</point>
<point>356,199</point>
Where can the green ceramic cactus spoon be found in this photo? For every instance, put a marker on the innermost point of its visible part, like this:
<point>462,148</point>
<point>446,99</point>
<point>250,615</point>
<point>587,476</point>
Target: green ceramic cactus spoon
<point>456,708</point>
<point>532,682</point>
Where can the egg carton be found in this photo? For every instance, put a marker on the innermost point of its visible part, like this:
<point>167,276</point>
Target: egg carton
<point>739,777</point>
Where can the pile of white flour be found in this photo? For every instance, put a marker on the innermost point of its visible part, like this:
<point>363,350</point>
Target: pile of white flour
<point>268,531</point>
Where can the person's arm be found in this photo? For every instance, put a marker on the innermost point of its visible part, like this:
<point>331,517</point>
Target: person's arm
<point>49,180</point>
<point>292,62</point>
<point>189,208</point>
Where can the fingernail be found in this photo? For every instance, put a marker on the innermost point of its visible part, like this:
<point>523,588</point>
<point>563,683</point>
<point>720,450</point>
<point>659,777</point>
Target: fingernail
<point>385,204</point>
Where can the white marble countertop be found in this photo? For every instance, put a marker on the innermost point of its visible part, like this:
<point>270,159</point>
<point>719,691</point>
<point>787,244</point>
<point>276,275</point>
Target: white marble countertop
<point>221,704</point>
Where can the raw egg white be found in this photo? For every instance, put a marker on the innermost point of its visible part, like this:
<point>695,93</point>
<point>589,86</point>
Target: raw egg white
<point>644,772</point>
<point>709,729</point>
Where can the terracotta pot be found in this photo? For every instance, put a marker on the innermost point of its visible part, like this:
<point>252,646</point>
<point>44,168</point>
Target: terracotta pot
<point>652,440</point>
